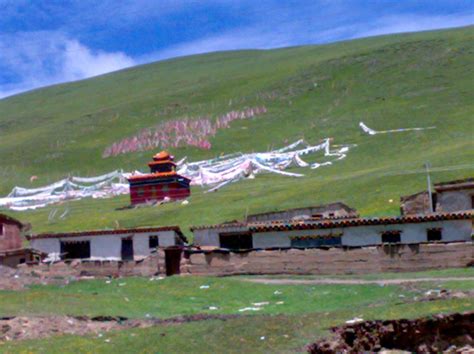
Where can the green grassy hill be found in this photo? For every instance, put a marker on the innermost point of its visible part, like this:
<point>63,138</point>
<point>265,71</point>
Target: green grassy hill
<point>408,80</point>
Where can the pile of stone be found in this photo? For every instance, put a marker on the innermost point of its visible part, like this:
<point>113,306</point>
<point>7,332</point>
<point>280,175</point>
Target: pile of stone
<point>441,333</point>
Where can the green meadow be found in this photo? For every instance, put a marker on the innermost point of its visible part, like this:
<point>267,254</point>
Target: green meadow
<point>311,92</point>
<point>295,315</point>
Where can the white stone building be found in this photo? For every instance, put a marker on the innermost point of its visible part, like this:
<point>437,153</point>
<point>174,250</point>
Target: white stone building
<point>114,245</point>
<point>349,232</point>
<point>446,196</point>
<point>455,195</point>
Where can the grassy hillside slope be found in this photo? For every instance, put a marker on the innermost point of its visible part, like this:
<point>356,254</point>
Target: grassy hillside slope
<point>420,79</point>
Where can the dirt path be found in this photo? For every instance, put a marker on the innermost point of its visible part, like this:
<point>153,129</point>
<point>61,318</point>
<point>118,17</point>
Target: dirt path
<point>283,281</point>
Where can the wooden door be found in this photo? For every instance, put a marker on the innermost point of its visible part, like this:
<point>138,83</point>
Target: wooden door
<point>127,249</point>
<point>173,260</point>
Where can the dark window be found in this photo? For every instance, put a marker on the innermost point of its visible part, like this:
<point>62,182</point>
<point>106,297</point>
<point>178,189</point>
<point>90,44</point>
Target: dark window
<point>76,249</point>
<point>434,235</point>
<point>391,237</point>
<point>1,229</point>
<point>317,216</point>
<point>472,201</point>
<point>127,249</point>
<point>315,241</point>
<point>236,240</point>
<point>22,260</point>
<point>153,242</point>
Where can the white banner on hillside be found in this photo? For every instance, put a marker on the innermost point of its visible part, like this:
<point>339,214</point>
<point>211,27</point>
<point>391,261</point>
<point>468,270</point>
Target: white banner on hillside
<point>215,173</point>
<point>370,131</point>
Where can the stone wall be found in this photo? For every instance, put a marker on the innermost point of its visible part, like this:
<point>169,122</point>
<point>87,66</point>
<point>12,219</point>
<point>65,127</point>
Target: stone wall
<point>149,266</point>
<point>418,203</point>
<point>383,258</point>
<point>454,200</point>
<point>338,210</point>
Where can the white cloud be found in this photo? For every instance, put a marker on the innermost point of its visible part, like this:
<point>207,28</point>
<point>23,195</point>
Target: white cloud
<point>37,59</point>
<point>292,33</point>
<point>251,38</point>
<point>33,59</point>
<point>412,23</point>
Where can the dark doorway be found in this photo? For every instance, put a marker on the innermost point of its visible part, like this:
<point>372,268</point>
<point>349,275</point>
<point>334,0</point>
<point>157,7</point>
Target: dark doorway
<point>173,260</point>
<point>236,240</point>
<point>127,249</point>
<point>76,249</point>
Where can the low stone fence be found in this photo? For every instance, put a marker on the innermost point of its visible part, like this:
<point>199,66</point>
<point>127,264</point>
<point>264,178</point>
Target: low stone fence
<point>149,266</point>
<point>384,258</point>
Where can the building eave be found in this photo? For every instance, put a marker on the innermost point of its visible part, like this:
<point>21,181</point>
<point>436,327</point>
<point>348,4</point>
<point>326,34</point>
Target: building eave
<point>10,220</point>
<point>341,223</point>
<point>94,233</point>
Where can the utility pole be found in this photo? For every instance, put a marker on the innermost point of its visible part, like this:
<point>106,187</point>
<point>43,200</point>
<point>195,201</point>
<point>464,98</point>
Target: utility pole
<point>430,196</point>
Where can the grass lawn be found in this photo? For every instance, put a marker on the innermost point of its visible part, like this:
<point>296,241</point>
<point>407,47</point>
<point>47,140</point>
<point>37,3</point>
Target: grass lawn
<point>307,311</point>
<point>249,334</point>
<point>139,297</point>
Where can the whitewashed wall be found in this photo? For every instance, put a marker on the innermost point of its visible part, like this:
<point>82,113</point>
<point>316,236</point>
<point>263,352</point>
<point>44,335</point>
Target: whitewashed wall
<point>210,237</point>
<point>109,247</point>
<point>452,230</point>
<point>46,245</point>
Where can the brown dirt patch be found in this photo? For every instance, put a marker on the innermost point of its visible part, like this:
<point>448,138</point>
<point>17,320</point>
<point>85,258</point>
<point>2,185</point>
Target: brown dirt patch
<point>19,328</point>
<point>441,333</point>
<point>16,279</point>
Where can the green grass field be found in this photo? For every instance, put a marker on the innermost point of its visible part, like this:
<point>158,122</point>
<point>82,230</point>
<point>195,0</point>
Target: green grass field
<point>408,80</point>
<point>307,313</point>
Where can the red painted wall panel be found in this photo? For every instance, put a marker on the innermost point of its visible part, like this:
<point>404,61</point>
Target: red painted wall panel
<point>10,237</point>
<point>143,194</point>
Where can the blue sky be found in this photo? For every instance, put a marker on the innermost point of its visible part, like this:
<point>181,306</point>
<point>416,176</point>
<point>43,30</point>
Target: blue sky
<point>43,42</point>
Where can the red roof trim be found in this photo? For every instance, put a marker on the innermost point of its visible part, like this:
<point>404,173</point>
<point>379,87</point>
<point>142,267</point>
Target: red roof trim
<point>109,232</point>
<point>161,162</point>
<point>311,225</point>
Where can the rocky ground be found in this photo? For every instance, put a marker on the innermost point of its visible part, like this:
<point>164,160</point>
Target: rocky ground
<point>16,279</point>
<point>441,333</point>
